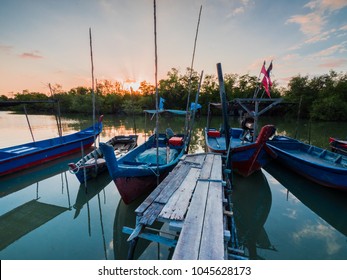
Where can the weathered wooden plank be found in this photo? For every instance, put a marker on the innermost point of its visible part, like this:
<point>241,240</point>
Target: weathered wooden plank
<point>189,241</point>
<point>216,172</point>
<point>153,237</point>
<point>135,232</point>
<point>177,205</point>
<point>151,213</point>
<point>212,240</point>
<point>207,166</point>
<point>196,158</point>
<point>173,184</point>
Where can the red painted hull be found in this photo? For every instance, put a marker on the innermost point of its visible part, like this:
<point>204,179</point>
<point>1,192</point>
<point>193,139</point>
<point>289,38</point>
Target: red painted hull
<point>132,188</point>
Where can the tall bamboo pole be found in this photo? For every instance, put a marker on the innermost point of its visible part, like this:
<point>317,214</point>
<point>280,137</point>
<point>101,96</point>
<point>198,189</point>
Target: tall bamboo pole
<point>156,87</point>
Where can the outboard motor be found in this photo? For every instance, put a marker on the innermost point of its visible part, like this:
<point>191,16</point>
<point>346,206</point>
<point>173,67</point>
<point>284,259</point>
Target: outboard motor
<point>247,125</point>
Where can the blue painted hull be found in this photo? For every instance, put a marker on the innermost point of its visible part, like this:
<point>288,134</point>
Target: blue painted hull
<point>16,158</point>
<point>132,175</point>
<point>318,165</point>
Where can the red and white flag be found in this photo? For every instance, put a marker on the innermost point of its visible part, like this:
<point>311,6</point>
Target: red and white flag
<point>266,82</point>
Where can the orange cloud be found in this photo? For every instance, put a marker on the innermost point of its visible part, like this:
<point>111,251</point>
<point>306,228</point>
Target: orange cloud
<point>311,23</point>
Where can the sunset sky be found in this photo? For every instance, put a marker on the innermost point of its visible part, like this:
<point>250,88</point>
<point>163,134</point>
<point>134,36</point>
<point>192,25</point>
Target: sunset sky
<point>47,41</point>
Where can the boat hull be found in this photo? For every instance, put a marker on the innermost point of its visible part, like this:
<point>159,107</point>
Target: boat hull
<point>338,146</point>
<point>132,177</point>
<point>245,157</point>
<point>318,165</point>
<point>86,169</point>
<point>132,188</point>
<point>16,158</point>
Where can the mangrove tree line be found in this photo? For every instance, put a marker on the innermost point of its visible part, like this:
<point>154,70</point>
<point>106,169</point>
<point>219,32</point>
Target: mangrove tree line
<point>321,97</point>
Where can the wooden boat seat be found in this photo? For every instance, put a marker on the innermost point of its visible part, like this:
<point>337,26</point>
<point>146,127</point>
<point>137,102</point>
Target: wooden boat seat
<point>338,159</point>
<point>322,154</point>
<point>22,149</point>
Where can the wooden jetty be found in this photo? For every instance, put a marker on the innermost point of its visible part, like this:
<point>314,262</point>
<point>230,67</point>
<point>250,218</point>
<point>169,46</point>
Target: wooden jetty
<point>192,200</point>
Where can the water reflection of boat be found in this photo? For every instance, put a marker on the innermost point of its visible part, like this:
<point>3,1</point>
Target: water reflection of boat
<point>20,180</point>
<point>28,216</point>
<point>126,217</point>
<point>330,205</point>
<point>87,192</point>
<point>251,205</point>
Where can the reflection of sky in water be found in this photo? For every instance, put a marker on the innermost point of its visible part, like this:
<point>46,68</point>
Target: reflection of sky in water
<point>323,233</point>
<point>297,232</point>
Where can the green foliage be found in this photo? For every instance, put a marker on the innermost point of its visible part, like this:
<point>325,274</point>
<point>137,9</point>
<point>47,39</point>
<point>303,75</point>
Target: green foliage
<point>322,97</point>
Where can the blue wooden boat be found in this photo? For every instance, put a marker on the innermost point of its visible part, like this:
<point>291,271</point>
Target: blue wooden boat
<point>136,172</point>
<point>93,164</point>
<point>316,164</point>
<point>15,158</point>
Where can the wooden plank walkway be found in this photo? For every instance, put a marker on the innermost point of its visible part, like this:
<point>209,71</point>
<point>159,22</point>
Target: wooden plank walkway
<point>190,199</point>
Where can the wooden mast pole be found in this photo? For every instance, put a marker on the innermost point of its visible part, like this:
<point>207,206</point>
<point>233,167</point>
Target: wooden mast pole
<point>191,72</point>
<point>93,95</point>
<point>156,87</point>
<point>224,104</point>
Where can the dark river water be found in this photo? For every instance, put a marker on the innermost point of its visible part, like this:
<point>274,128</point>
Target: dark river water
<point>279,215</point>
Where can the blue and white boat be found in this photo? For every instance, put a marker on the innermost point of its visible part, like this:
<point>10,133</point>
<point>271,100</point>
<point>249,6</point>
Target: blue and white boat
<point>136,172</point>
<point>316,164</point>
<point>19,157</point>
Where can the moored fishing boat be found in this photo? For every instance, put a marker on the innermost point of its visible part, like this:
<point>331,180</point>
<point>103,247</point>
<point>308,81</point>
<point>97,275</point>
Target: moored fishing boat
<point>338,146</point>
<point>316,164</point>
<point>92,164</point>
<point>19,157</point>
<point>246,152</point>
<point>136,172</point>
<point>246,156</point>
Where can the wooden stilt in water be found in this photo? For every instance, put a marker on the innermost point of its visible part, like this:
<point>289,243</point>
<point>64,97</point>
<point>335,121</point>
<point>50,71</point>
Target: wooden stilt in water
<point>26,115</point>
<point>132,246</point>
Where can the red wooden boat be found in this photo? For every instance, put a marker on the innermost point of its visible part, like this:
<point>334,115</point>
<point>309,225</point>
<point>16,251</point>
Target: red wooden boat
<point>338,146</point>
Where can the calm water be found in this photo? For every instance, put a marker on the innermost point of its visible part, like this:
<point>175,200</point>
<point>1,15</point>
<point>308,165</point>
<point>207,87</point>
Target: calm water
<point>278,214</point>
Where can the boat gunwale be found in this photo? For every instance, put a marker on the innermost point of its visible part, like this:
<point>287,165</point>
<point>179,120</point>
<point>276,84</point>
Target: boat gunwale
<point>332,166</point>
